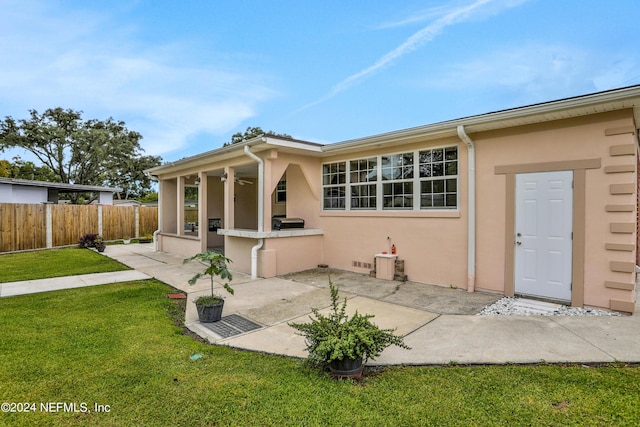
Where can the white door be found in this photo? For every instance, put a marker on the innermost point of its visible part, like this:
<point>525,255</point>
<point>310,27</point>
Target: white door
<point>543,234</point>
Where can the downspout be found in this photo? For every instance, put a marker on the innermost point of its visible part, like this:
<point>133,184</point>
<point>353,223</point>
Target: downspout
<point>254,250</point>
<point>471,173</point>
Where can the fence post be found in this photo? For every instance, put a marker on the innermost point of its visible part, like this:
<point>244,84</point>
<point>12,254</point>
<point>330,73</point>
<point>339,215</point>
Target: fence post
<point>100,220</point>
<point>136,214</point>
<point>48,224</point>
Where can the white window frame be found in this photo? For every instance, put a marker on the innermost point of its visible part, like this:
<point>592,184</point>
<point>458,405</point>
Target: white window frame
<point>281,190</point>
<point>336,186</point>
<point>352,184</point>
<point>416,182</point>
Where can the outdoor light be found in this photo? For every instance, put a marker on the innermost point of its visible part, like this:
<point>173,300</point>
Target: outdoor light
<point>197,180</point>
<point>223,178</point>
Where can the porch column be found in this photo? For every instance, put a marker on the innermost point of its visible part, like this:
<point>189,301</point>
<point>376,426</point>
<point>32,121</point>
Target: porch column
<point>203,224</point>
<point>180,205</point>
<point>229,198</point>
<point>267,184</point>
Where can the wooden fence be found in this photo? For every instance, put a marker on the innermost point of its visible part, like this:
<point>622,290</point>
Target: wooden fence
<point>31,226</point>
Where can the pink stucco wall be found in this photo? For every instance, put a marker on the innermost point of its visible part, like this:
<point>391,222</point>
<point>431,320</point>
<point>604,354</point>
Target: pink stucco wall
<point>433,244</point>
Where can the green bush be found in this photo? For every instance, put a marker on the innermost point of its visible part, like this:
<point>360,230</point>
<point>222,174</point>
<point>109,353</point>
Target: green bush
<point>337,336</point>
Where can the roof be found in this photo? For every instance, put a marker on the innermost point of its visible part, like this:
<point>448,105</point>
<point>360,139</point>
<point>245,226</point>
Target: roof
<point>583,105</point>
<point>58,185</point>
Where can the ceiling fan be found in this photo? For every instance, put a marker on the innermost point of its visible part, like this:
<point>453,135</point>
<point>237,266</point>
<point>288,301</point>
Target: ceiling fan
<point>242,181</point>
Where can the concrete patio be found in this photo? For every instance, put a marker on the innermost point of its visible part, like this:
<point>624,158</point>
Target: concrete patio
<point>438,323</point>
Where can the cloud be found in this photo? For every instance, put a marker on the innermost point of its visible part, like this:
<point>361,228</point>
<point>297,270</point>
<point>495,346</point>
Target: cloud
<point>489,8</point>
<point>538,71</point>
<point>96,63</point>
<point>449,16</point>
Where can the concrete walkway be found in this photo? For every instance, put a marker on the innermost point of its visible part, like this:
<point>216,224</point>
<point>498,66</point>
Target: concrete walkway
<point>68,282</point>
<point>435,336</point>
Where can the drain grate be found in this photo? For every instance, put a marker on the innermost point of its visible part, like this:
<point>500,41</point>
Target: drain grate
<point>231,325</point>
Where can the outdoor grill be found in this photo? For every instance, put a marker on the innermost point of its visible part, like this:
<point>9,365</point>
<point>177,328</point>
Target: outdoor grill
<point>287,223</point>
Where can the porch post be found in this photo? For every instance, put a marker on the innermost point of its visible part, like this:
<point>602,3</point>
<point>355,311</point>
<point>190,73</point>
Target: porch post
<point>180,206</point>
<point>267,184</point>
<point>229,198</point>
<point>203,224</point>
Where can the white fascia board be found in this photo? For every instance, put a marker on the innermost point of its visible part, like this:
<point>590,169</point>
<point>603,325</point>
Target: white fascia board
<point>232,151</point>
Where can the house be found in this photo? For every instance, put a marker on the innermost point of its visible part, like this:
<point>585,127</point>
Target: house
<point>14,190</point>
<point>539,200</point>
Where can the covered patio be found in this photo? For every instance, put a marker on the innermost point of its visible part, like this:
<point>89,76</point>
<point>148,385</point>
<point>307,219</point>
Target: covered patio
<point>236,203</point>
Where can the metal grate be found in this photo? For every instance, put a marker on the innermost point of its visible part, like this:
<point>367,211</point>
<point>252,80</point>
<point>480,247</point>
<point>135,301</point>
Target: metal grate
<point>231,325</point>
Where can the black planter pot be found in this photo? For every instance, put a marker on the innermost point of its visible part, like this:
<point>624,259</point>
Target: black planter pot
<point>346,368</point>
<point>101,248</point>
<point>210,313</point>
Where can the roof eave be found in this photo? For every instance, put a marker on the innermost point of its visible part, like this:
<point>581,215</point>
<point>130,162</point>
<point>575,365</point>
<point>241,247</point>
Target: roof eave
<point>554,110</point>
<point>258,144</point>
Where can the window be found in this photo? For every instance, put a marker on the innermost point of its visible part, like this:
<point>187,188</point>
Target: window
<point>334,180</point>
<point>397,168</point>
<point>363,175</point>
<point>394,181</point>
<point>190,208</point>
<point>438,178</point>
<point>281,191</point>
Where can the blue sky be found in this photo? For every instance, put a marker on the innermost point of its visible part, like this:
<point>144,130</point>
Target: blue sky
<point>188,74</point>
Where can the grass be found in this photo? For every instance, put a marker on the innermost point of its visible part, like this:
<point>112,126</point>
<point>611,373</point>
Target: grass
<point>54,263</point>
<point>118,345</point>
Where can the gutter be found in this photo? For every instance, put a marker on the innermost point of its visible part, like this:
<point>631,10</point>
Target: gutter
<point>254,250</point>
<point>471,233</point>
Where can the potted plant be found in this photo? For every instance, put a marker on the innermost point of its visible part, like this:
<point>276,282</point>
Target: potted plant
<point>210,306</point>
<point>99,243</point>
<point>147,238</point>
<point>126,239</point>
<point>343,343</point>
<point>87,241</point>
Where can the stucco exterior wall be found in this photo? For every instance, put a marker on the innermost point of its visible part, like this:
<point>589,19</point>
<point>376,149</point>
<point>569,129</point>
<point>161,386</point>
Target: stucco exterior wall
<point>246,205</point>
<point>303,187</point>
<point>566,140</point>
<point>294,253</point>
<point>184,246</point>
<point>238,249</point>
<point>433,244</point>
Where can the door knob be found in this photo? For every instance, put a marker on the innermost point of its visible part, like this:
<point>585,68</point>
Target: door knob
<point>518,243</point>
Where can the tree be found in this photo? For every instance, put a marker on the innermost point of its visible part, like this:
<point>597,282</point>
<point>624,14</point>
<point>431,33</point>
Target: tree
<point>77,151</point>
<point>252,132</point>
<point>25,170</point>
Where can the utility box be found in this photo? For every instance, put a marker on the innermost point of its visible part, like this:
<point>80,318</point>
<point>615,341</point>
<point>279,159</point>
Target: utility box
<point>385,266</point>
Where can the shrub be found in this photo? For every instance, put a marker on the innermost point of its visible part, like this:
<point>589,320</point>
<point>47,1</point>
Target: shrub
<point>87,241</point>
<point>337,336</point>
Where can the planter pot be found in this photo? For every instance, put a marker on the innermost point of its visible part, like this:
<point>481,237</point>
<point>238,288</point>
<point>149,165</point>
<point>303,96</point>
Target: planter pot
<point>126,241</point>
<point>210,313</point>
<point>101,248</point>
<point>346,368</point>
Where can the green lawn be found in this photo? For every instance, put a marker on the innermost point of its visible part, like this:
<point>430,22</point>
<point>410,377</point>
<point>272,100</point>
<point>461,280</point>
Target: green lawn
<point>54,263</point>
<point>118,345</point>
